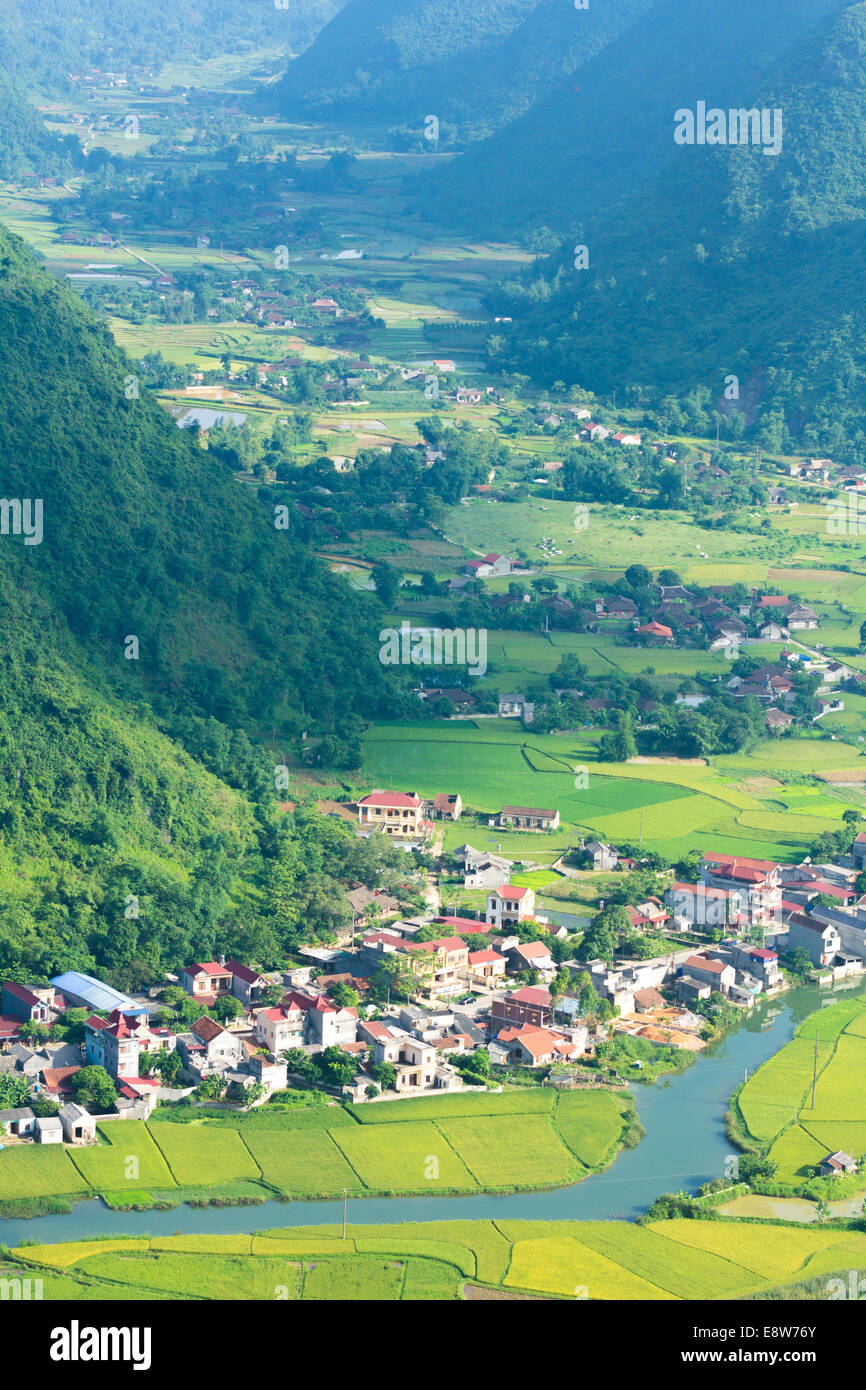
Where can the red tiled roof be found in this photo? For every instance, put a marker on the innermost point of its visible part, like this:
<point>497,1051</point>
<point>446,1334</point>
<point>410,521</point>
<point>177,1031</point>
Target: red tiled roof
<point>207,1029</point>
<point>484,957</point>
<point>531,994</point>
<point>465,924</point>
<point>443,943</point>
<point>715,967</point>
<point>391,799</point>
<point>509,890</point>
<point>21,992</point>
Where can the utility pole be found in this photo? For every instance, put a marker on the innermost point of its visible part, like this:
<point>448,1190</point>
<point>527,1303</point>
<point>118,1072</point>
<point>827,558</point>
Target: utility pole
<point>345,1200</point>
<point>640,837</point>
<point>815,1070</point>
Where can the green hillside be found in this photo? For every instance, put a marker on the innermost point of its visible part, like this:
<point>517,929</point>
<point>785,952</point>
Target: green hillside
<point>473,63</point>
<point>581,152</point>
<point>239,627</point>
<point>733,262</point>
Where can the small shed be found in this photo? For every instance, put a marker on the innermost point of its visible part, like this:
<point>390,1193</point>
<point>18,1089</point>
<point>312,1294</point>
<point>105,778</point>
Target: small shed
<point>78,1126</point>
<point>837,1163</point>
<point>49,1130</point>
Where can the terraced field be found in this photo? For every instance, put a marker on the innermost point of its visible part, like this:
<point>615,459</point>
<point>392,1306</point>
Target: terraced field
<point>444,1260</point>
<point>777,1104</point>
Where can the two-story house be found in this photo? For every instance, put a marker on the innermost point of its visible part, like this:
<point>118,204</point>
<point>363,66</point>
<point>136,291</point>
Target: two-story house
<point>280,1028</point>
<point>119,1042</point>
<point>399,814</point>
<point>509,904</point>
<point>206,982</point>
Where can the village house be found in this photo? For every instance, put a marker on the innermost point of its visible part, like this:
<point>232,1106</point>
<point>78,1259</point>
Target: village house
<point>247,984</point>
<point>508,905</point>
<point>118,1043</point>
<point>602,856</point>
<point>622,437</point>
<point>592,433</point>
<point>715,973</point>
<point>533,955</point>
<point>415,1060</point>
<point>486,966</point>
<point>820,940</point>
<point>483,870</point>
<point>447,806</point>
<point>17,1123</point>
<point>489,566</point>
<point>450,959</point>
<point>516,707</point>
<point>399,814</point>
<point>758,880</point>
<point>280,1028</point>
<point>207,982</point>
<point>538,1047</point>
<point>837,1163</point>
<point>26,1002</point>
<point>527,818</point>
<point>78,1126</point>
<point>209,1049</point>
<point>532,1004</point>
<point>49,1129</point>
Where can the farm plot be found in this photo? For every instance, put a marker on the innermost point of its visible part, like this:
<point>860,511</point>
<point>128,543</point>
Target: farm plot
<point>355,1279</point>
<point>590,1124</point>
<point>413,1157</point>
<point>841,1090</point>
<point>565,1267</point>
<point>512,1151</point>
<point>301,1162</point>
<point>34,1171</point>
<point>772,1096</point>
<point>188,1276</point>
<point>199,1155</point>
<point>520,1102</point>
<point>796,1155</point>
<point>125,1156</point>
<point>773,1252</point>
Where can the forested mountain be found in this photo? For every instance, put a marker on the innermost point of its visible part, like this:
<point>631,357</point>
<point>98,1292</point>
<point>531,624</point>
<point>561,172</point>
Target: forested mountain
<point>473,63</point>
<point>47,40</point>
<point>734,262</point>
<point>583,149</point>
<point>25,143</point>
<point>157,615</point>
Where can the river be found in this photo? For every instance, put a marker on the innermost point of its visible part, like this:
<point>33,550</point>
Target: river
<point>685,1145</point>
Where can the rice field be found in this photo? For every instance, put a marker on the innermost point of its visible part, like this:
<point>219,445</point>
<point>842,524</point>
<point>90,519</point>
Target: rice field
<point>596,1261</point>
<point>776,1103</point>
<point>412,1157</point>
<point>206,1153</point>
<point>676,806</point>
<point>512,1151</point>
<point>452,1143</point>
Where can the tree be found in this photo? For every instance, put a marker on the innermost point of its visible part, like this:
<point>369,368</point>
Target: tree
<point>14,1090</point>
<point>94,1089</point>
<point>386,1075</point>
<point>638,576</point>
<point>386,581</point>
<point>228,1007</point>
<point>343,995</point>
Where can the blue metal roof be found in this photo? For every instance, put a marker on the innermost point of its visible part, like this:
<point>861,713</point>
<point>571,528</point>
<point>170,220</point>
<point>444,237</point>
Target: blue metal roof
<point>94,993</point>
